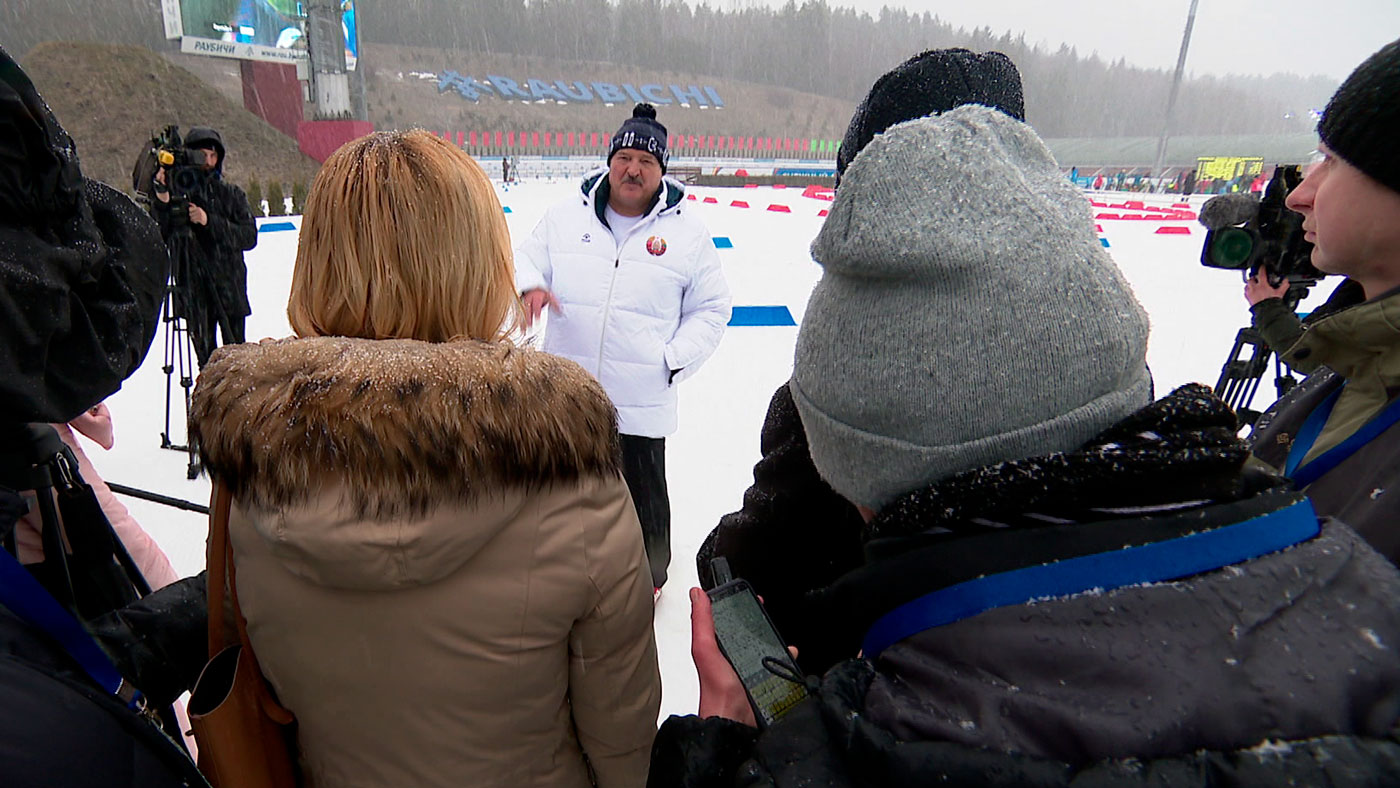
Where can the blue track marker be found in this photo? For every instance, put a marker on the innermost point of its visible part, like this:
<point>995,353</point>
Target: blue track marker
<point>722,242</point>
<point>276,227</point>
<point>761,316</point>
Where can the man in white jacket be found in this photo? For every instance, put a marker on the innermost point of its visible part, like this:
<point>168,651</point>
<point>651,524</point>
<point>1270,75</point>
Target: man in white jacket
<point>637,297</point>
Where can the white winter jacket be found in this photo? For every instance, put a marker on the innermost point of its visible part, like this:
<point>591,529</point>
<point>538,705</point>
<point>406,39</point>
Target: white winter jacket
<point>629,315</point>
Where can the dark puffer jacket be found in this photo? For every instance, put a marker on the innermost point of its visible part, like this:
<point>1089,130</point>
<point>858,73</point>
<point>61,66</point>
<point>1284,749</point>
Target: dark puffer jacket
<point>789,511</point>
<point>1279,669</point>
<point>229,232</point>
<point>83,268</point>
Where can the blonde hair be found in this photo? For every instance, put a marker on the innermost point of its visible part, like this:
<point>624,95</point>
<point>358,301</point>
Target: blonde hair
<point>403,238</point>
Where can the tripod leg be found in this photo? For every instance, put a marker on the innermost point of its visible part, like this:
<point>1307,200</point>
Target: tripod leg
<point>187,382</point>
<point>169,338</point>
<point>1240,376</point>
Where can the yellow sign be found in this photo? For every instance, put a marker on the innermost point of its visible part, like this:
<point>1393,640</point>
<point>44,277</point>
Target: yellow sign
<point>1223,168</point>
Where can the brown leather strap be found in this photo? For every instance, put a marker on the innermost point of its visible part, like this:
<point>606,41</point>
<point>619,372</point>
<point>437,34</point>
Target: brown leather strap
<point>223,576</point>
<point>218,559</point>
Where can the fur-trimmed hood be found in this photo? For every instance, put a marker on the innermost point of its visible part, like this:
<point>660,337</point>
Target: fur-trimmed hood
<point>331,440</point>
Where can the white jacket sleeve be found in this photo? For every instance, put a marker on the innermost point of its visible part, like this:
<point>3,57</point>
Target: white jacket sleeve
<point>532,269</point>
<point>705,308</point>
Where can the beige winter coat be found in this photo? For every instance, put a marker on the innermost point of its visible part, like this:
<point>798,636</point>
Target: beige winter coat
<point>440,565</point>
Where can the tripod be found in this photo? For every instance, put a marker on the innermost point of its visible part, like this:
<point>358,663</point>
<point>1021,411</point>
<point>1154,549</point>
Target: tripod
<point>1241,374</point>
<point>190,299</point>
<point>175,314</point>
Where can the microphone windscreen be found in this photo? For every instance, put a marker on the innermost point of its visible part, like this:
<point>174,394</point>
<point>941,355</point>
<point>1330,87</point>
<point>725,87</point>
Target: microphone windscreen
<point>1226,210</point>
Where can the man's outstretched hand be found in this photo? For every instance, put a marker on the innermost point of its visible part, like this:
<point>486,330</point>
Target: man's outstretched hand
<point>535,301</point>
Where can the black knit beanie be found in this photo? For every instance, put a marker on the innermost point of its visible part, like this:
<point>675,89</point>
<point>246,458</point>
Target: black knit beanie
<point>931,83</point>
<point>641,132</point>
<point>1362,121</point>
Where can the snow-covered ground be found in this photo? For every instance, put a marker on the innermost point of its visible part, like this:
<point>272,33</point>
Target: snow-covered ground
<point>1195,313</point>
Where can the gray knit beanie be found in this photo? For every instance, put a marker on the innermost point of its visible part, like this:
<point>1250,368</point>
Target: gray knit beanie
<point>967,313</point>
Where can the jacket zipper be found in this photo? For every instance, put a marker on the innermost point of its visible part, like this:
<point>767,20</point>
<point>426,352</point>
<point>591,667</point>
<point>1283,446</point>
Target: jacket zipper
<point>612,283</point>
<point>607,310</point>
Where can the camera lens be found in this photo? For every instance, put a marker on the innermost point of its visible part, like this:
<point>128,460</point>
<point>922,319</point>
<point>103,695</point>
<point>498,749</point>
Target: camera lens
<point>186,179</point>
<point>1231,247</point>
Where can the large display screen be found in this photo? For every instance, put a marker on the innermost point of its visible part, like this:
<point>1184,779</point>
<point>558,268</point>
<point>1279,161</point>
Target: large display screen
<point>272,30</point>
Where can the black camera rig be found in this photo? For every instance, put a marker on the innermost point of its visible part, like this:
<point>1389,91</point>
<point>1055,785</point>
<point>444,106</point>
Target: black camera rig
<point>1270,239</point>
<point>1258,237</point>
<point>185,175</point>
<point>190,299</point>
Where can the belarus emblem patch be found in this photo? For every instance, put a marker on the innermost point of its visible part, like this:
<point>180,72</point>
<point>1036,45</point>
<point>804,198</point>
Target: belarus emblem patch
<point>656,245</point>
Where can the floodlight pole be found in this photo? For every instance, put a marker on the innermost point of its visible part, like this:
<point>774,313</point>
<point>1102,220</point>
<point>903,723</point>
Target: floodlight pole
<point>325,40</point>
<point>1176,86</point>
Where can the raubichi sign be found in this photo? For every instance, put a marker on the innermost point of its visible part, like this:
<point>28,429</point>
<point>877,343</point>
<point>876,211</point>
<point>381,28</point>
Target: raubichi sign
<point>470,88</point>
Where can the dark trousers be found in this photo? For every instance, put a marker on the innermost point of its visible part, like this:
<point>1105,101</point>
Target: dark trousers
<point>644,468</point>
<point>231,328</point>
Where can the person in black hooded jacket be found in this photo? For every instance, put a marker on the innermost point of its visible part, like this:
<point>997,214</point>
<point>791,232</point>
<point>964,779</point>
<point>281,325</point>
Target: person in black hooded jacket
<point>83,272</point>
<point>83,268</point>
<point>216,283</point>
<point>1053,580</point>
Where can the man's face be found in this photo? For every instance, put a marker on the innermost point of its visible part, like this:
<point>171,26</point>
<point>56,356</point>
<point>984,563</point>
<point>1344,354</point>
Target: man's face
<point>1352,221</point>
<point>211,158</point>
<point>633,178</point>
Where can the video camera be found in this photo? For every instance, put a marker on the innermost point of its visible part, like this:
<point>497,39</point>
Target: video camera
<point>1249,234</point>
<point>1245,234</point>
<point>185,175</point>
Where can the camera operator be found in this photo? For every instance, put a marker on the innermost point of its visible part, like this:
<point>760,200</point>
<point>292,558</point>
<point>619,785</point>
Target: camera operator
<point>1335,433</point>
<point>223,230</point>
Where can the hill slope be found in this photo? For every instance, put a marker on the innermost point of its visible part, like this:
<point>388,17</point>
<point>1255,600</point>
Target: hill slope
<point>111,98</point>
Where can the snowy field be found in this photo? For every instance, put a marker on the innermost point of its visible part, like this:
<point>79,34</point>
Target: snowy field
<point>1195,313</point>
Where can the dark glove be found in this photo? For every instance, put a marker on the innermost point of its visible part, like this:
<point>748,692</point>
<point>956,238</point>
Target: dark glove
<point>690,752</point>
<point>160,641</point>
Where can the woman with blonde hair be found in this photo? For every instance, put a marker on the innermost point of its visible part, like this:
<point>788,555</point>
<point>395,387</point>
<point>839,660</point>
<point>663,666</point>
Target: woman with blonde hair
<point>437,557</point>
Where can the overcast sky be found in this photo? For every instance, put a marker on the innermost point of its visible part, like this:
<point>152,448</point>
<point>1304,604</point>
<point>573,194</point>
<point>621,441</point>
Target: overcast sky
<point>1329,37</point>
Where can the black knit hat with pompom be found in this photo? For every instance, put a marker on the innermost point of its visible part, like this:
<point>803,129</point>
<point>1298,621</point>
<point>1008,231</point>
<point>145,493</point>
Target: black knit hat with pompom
<point>1362,121</point>
<point>931,83</point>
<point>641,132</point>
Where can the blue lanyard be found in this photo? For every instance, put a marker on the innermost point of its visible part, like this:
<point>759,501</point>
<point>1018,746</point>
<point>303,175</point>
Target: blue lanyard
<point>1334,456</point>
<point>1149,563</point>
<point>27,599</point>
